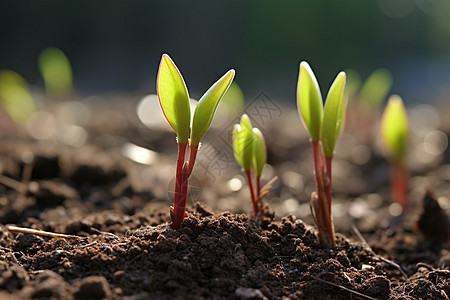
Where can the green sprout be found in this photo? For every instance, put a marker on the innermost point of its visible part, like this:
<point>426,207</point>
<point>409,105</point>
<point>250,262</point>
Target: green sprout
<point>394,129</point>
<point>56,70</point>
<point>15,96</point>
<point>325,125</point>
<point>174,100</point>
<point>250,152</point>
<point>375,89</point>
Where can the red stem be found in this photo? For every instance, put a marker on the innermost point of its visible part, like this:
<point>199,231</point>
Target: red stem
<point>319,167</point>
<point>192,156</point>
<point>258,187</point>
<point>184,170</point>
<point>180,206</point>
<point>252,192</point>
<point>178,182</point>
<point>328,184</point>
<point>399,184</point>
<point>321,201</point>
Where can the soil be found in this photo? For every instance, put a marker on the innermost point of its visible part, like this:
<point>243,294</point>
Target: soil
<point>119,210</point>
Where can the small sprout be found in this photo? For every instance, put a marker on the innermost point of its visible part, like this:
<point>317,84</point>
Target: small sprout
<point>395,128</point>
<point>174,100</point>
<point>375,89</point>
<point>243,143</point>
<point>56,70</point>
<point>324,125</point>
<point>250,152</point>
<point>15,96</point>
<point>394,131</point>
<point>371,95</point>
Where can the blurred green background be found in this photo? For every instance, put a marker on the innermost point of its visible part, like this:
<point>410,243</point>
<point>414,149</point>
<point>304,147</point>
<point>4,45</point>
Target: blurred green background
<point>117,45</point>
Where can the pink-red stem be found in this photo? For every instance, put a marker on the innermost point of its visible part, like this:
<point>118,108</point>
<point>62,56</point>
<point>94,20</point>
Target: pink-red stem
<point>180,206</point>
<point>177,207</point>
<point>258,187</point>
<point>328,184</point>
<point>399,184</point>
<point>184,170</point>
<point>192,156</point>
<point>252,192</point>
<point>321,202</point>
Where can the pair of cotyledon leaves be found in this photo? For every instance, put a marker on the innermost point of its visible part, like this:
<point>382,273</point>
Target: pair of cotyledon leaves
<point>323,123</point>
<point>395,128</point>
<point>249,146</point>
<point>174,99</point>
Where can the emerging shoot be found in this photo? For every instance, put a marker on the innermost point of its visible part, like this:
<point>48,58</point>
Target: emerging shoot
<point>56,70</point>
<point>15,96</point>
<point>394,131</point>
<point>250,152</point>
<point>375,89</point>
<point>174,100</point>
<point>324,126</point>
<point>369,94</point>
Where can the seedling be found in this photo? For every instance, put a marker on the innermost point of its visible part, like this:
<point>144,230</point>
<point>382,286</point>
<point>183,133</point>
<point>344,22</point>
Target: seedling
<point>250,152</point>
<point>375,89</point>
<point>15,96</point>
<point>394,132</point>
<point>369,96</point>
<point>325,125</point>
<point>174,100</point>
<point>56,70</point>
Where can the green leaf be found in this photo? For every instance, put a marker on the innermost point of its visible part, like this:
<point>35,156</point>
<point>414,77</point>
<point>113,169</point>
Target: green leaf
<point>375,89</point>
<point>56,70</point>
<point>243,143</point>
<point>174,98</point>
<point>309,101</point>
<point>259,152</point>
<point>333,115</point>
<point>15,96</point>
<point>206,107</point>
<point>395,128</point>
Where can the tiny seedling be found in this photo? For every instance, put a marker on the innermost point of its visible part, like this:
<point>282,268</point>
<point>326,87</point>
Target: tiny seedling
<point>250,152</point>
<point>375,89</point>
<point>15,96</point>
<point>365,101</point>
<point>394,130</point>
<point>325,125</point>
<point>174,100</point>
<point>56,70</point>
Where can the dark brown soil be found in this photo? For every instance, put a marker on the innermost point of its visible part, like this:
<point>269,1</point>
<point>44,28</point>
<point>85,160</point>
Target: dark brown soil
<point>128,251</point>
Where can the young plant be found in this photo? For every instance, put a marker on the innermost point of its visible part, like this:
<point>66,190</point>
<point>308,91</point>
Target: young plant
<point>324,125</point>
<point>367,99</point>
<point>250,152</point>
<point>15,97</point>
<point>394,132</point>
<point>56,70</point>
<point>174,100</point>
<point>375,89</point>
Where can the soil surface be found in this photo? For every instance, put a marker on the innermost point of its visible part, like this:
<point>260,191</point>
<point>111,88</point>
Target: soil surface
<point>117,206</point>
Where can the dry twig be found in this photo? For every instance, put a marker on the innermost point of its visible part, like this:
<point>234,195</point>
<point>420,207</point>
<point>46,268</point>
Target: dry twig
<point>390,262</point>
<point>16,229</point>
